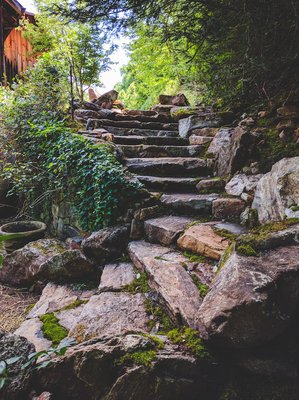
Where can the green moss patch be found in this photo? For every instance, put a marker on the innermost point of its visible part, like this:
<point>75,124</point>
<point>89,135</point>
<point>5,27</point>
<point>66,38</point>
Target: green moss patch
<point>74,304</point>
<point>202,287</point>
<point>139,285</point>
<point>51,328</point>
<point>189,339</point>
<point>145,358</point>
<point>246,250</point>
<point>198,258</point>
<point>158,316</point>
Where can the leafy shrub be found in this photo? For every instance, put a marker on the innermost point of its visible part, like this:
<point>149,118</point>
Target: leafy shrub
<point>46,157</point>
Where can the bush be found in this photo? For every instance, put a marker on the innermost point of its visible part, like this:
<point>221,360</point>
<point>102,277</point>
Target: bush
<point>45,156</point>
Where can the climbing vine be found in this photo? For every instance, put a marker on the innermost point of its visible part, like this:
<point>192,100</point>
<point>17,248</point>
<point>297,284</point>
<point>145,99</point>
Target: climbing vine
<point>45,156</point>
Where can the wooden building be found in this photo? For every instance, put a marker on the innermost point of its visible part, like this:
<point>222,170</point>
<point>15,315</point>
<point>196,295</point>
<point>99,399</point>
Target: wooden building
<point>15,50</point>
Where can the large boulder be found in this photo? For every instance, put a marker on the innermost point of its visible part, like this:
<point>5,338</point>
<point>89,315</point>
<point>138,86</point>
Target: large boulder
<point>232,148</point>
<point>252,300</point>
<point>18,379</point>
<point>107,244</point>
<point>277,193</point>
<point>44,260</point>
<point>101,369</point>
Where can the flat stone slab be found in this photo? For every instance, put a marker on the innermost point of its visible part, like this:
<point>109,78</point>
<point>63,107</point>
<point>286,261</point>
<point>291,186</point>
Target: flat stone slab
<point>168,184</point>
<point>165,230</point>
<point>151,140</point>
<point>149,151</point>
<point>202,239</point>
<point>55,297</point>
<point>116,276</point>
<point>210,184</point>
<point>167,274</point>
<point>171,166</point>
<point>231,227</point>
<point>31,329</point>
<point>199,140</point>
<point>111,314</point>
<point>198,203</point>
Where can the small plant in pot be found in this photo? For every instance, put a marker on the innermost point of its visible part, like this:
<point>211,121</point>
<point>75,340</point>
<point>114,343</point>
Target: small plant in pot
<point>17,234</point>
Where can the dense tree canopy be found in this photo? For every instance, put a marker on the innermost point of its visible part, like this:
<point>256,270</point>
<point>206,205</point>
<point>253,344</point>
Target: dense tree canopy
<point>248,49</point>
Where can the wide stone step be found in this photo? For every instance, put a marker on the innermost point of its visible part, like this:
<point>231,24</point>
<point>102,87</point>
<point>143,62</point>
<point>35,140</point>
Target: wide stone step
<point>176,166</point>
<point>96,123</point>
<point>168,184</point>
<point>152,151</point>
<point>196,204</point>
<point>165,230</point>
<point>167,274</point>
<point>150,140</point>
<point>140,132</point>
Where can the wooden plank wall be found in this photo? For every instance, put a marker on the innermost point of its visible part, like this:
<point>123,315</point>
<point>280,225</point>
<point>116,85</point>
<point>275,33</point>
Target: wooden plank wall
<point>17,53</point>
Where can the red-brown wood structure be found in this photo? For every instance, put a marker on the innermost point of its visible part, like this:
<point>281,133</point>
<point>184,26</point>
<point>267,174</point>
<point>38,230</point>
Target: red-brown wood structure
<point>15,50</point>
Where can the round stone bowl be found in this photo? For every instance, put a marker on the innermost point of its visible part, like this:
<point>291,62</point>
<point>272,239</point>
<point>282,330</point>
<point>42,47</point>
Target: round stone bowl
<point>21,232</point>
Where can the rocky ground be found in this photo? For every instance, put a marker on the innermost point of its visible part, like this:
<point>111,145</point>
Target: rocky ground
<point>196,295</point>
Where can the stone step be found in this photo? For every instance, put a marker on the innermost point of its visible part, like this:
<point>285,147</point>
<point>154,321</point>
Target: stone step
<point>176,166</point>
<point>165,230</point>
<point>139,132</point>
<point>152,151</point>
<point>168,275</point>
<point>196,204</point>
<point>158,126</point>
<point>150,140</point>
<point>144,118</point>
<point>167,184</point>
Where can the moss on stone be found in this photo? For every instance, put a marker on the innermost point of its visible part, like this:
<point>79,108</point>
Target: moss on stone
<point>158,343</point>
<point>197,258</point>
<point>226,234</point>
<point>246,250</point>
<point>74,304</point>
<point>29,308</point>
<point>189,339</point>
<point>145,358</point>
<point>202,287</point>
<point>139,285</point>
<point>51,328</point>
<point>226,256</point>
<point>158,316</point>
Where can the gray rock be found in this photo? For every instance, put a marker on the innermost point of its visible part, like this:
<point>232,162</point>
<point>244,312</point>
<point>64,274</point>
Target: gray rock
<point>227,208</point>
<point>111,314</point>
<point>89,371</point>
<point>15,346</point>
<point>106,244</point>
<point>187,125</point>
<point>182,202</point>
<point>231,147</point>
<point>278,191</point>
<point>55,297</point>
<point>31,329</point>
<point>21,267</point>
<point>69,266</point>
<point>165,230</point>
<point>242,183</point>
<point>116,276</point>
<point>252,299</point>
<point>210,184</point>
<point>168,276</point>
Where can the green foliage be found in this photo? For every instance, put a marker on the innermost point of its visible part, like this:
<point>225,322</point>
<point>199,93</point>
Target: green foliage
<point>155,67</point>
<point>74,304</point>
<point>48,158</point>
<point>246,250</point>
<point>202,287</point>
<point>274,148</point>
<point>79,47</point>
<point>197,258</point>
<point>139,285</point>
<point>189,339</point>
<point>145,358</point>
<point>158,343</point>
<point>51,328</point>
<point>158,317</point>
<point>242,51</point>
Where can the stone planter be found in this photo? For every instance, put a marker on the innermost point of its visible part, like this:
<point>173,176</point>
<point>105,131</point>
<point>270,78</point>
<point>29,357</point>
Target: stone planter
<point>24,231</point>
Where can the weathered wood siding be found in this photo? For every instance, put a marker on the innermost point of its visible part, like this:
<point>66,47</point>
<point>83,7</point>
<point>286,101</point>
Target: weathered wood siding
<point>17,54</point>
